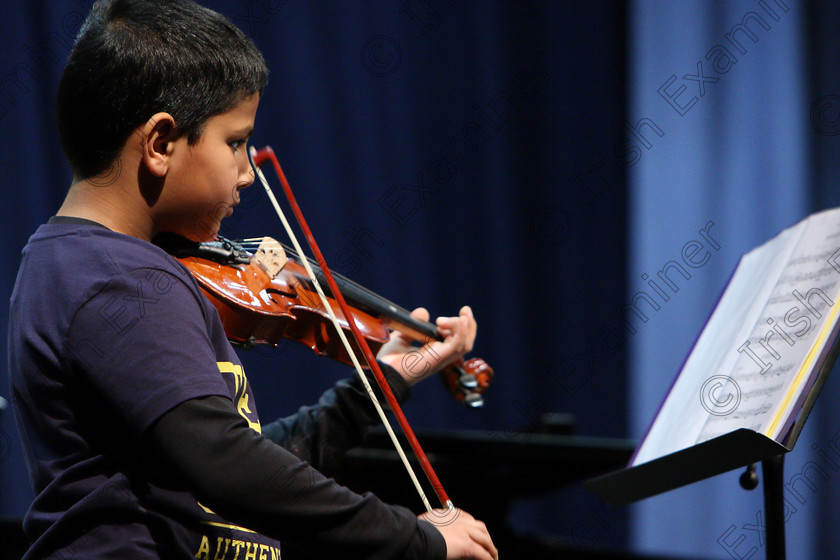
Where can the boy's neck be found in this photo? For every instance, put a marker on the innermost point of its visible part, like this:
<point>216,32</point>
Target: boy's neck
<point>111,206</point>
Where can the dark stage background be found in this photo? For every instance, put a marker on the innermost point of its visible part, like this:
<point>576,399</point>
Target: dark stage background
<point>534,160</point>
<point>443,153</point>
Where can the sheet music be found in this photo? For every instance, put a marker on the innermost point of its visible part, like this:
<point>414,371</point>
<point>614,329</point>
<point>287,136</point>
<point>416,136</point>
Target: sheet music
<point>780,303</point>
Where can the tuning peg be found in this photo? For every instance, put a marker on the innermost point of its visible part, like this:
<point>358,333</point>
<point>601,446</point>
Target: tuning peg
<point>468,381</point>
<point>473,400</point>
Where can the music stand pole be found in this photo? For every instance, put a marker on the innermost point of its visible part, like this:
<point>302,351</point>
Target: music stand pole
<point>774,507</point>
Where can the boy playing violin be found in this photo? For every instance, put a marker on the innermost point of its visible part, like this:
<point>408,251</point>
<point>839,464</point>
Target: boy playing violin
<point>139,426</point>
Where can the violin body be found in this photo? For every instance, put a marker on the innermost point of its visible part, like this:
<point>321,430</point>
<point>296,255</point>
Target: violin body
<point>257,307</point>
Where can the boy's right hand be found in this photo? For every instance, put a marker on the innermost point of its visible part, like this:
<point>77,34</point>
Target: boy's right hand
<point>466,537</point>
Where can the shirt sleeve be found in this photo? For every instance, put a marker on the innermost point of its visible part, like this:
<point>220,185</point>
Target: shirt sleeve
<point>323,433</point>
<point>142,345</point>
<point>253,482</point>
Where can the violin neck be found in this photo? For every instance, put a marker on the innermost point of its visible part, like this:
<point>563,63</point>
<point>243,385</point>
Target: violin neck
<point>392,315</point>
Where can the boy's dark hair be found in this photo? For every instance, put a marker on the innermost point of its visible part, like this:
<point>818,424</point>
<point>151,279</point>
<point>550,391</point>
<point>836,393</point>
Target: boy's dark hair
<point>135,58</point>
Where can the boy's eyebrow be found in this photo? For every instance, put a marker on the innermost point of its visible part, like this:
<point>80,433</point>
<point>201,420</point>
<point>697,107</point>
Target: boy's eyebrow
<point>243,132</point>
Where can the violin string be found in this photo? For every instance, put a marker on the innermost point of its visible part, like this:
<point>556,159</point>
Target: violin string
<point>254,242</point>
<point>343,338</point>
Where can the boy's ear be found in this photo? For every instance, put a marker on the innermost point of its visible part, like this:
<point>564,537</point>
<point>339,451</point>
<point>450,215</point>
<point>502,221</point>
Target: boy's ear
<point>157,137</point>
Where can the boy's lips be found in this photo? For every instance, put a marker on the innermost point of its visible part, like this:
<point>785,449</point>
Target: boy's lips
<point>237,198</point>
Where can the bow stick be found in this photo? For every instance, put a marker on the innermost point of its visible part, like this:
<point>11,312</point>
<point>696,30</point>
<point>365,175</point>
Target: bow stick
<point>259,157</point>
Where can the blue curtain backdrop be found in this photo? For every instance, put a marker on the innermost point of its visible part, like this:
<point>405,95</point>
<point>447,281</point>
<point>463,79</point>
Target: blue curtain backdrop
<point>444,153</point>
<point>742,96</point>
<point>539,161</point>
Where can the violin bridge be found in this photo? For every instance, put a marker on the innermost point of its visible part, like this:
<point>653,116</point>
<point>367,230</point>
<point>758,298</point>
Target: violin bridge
<point>270,256</point>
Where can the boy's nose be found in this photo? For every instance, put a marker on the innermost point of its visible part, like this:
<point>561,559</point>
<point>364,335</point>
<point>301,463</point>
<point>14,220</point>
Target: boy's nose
<point>246,176</point>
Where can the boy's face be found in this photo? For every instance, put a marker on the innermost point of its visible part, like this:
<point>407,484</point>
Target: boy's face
<point>204,180</point>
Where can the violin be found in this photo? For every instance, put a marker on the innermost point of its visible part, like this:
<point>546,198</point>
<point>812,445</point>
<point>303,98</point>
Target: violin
<point>265,295</point>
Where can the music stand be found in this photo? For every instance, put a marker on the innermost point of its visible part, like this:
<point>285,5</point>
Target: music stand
<point>736,449</point>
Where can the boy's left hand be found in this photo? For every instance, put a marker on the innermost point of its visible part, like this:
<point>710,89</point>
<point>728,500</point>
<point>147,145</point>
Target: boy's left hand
<point>416,363</point>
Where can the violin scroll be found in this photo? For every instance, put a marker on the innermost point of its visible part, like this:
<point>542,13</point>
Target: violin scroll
<point>468,380</point>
